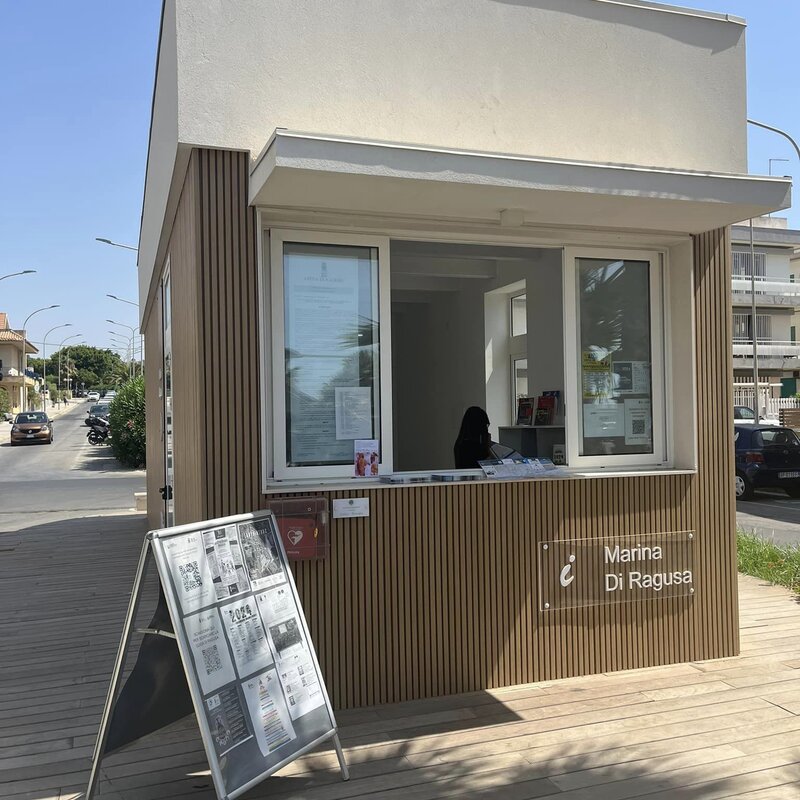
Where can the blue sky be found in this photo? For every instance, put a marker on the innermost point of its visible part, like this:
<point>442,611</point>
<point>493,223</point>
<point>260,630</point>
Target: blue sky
<point>75,100</point>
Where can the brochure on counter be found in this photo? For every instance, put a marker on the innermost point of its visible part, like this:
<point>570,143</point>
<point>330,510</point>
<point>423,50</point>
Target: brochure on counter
<point>519,467</point>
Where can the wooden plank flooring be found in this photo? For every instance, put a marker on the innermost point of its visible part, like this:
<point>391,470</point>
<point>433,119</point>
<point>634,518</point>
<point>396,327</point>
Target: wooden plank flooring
<point>727,728</point>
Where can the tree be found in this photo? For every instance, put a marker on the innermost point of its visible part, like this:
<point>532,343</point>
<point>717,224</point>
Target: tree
<point>126,416</point>
<point>5,401</point>
<point>95,367</point>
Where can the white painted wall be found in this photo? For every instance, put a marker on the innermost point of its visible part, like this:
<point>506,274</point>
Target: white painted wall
<point>575,79</point>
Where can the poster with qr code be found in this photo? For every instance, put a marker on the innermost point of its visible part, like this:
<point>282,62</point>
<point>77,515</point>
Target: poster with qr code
<point>191,573</point>
<point>209,650</point>
<point>638,422</point>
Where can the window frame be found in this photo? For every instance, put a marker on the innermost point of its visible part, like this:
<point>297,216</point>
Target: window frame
<point>277,238</point>
<point>658,366</point>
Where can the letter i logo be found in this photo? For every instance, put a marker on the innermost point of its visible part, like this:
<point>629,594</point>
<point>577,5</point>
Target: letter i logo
<point>565,577</point>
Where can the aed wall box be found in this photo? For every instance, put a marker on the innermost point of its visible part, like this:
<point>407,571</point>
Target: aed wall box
<point>304,524</point>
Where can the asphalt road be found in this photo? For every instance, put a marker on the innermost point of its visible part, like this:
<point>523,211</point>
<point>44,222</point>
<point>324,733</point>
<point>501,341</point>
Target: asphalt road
<point>68,478</point>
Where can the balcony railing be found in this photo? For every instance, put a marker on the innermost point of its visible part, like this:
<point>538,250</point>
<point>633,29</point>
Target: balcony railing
<point>744,347</point>
<point>768,290</point>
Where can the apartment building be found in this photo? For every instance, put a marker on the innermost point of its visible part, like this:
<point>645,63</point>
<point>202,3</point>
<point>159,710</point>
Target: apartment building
<point>777,295</point>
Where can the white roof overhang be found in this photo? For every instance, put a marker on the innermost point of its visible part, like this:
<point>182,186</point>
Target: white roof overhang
<point>314,172</point>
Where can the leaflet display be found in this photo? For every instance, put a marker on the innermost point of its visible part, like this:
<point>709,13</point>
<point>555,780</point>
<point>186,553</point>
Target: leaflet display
<point>252,670</point>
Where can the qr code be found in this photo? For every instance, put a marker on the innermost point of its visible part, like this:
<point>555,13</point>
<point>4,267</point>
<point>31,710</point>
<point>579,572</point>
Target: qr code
<point>637,427</point>
<point>211,659</point>
<point>190,575</point>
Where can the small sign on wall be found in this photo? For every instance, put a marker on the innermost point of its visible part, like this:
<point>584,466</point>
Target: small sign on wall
<point>615,569</point>
<point>351,507</point>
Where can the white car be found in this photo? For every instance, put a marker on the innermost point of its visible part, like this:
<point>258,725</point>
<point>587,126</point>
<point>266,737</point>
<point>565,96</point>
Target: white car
<point>744,414</point>
<point>92,397</point>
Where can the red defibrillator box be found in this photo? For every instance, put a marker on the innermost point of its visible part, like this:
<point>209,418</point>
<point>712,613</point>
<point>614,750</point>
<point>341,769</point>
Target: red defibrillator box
<point>303,523</point>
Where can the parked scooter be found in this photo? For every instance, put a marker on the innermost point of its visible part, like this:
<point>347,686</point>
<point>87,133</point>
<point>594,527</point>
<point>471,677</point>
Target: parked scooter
<point>99,431</point>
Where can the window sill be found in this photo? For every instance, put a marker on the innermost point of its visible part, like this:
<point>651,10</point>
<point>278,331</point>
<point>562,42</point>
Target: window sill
<point>469,476</point>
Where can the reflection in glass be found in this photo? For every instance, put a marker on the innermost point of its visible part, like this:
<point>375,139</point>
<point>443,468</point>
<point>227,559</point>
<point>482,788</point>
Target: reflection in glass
<point>615,356</point>
<point>331,343</point>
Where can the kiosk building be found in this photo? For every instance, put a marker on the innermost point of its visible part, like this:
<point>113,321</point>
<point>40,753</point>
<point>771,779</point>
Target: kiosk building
<point>359,221</point>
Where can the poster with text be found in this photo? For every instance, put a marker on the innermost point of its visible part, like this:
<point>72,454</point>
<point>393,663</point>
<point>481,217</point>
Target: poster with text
<point>261,555</point>
<point>638,422</point>
<point>246,635</point>
<point>271,723</point>
<point>603,420</point>
<point>353,412</point>
<point>190,571</point>
<point>300,683</point>
<point>209,650</point>
<point>225,562</point>
<point>227,720</point>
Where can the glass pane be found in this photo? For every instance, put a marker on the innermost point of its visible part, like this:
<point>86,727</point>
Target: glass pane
<point>519,315</point>
<point>331,351</point>
<point>615,357</point>
<point>520,380</point>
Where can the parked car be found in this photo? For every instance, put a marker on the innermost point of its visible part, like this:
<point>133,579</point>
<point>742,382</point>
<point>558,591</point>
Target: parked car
<point>109,396</point>
<point>98,410</point>
<point>767,457</point>
<point>31,427</point>
<point>92,396</point>
<point>746,414</point>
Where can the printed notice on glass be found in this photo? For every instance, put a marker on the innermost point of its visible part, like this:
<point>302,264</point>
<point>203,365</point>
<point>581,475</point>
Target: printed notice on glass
<point>190,571</point>
<point>638,422</point>
<point>246,635</point>
<point>603,419</point>
<point>262,559</point>
<point>353,412</point>
<point>225,562</point>
<point>640,377</point>
<point>271,722</point>
<point>300,683</point>
<point>209,650</point>
<point>227,720</point>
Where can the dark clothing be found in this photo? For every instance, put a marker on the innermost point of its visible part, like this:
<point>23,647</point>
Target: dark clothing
<point>473,442</point>
<point>469,453</point>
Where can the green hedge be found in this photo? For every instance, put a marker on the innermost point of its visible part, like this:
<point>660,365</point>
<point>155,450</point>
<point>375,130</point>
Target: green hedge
<point>5,401</point>
<point>775,563</point>
<point>127,419</point>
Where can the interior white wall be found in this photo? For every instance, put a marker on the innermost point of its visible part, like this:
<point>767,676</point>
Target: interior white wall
<point>443,340</point>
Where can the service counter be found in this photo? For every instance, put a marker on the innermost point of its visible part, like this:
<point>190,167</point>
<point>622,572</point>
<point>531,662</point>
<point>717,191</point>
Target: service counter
<point>439,589</point>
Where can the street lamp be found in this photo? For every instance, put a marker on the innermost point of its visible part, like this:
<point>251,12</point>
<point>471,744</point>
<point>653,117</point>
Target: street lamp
<point>116,244</point>
<point>128,341</point>
<point>74,336</point>
<point>44,361</point>
<point>122,300</point>
<point>132,329</point>
<point>12,274</point>
<point>753,270</point>
<point>24,349</point>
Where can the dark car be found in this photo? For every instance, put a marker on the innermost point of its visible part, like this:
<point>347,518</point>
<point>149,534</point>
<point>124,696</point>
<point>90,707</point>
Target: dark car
<point>767,457</point>
<point>97,410</point>
<point>31,427</point>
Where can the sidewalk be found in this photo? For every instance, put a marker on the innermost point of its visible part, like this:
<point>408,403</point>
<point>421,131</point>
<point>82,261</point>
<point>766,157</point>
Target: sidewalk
<point>728,728</point>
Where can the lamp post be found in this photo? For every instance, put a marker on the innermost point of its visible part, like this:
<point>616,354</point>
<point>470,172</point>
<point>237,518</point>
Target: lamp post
<point>133,330</point>
<point>116,244</point>
<point>141,336</point>
<point>24,348</point>
<point>44,361</point>
<point>74,336</point>
<point>753,269</point>
<point>128,345</point>
<point>12,274</point>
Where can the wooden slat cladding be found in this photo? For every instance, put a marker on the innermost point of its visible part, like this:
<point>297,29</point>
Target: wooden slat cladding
<point>229,333</point>
<point>188,374</point>
<point>436,592</point>
<point>716,609</point>
<point>154,411</point>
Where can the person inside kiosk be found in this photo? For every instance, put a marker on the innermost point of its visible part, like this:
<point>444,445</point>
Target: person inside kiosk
<point>474,443</point>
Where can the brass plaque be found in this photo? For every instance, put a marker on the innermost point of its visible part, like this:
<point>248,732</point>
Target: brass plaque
<point>615,569</point>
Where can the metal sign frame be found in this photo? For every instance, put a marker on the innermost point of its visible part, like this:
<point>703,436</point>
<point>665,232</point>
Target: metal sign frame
<point>153,542</point>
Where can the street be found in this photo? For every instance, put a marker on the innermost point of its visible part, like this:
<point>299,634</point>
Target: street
<point>70,478</point>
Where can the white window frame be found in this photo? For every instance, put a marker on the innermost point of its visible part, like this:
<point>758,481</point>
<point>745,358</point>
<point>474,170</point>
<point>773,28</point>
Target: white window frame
<point>572,361</point>
<point>277,334</point>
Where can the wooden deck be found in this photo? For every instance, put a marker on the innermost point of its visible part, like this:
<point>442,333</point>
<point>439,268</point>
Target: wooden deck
<point>707,730</point>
